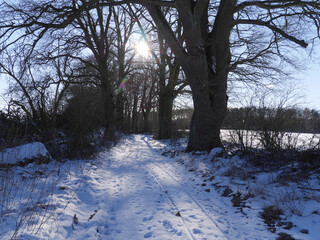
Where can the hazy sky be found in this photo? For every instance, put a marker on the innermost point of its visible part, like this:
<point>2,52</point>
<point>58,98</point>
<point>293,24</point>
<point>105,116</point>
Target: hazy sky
<point>3,87</point>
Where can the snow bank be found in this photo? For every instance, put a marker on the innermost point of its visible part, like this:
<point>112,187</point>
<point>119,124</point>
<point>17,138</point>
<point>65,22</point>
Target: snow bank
<point>31,152</point>
<point>214,152</point>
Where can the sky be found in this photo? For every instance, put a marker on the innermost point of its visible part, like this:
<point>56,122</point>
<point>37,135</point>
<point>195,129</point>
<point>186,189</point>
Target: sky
<point>3,88</point>
<point>310,79</point>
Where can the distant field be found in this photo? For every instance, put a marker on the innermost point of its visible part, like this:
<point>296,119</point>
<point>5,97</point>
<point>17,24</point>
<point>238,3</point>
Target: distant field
<point>285,139</point>
<point>253,138</point>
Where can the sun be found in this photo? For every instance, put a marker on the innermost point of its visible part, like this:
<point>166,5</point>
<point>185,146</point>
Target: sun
<point>143,49</point>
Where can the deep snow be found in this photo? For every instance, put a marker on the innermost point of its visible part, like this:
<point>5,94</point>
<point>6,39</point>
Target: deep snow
<point>146,189</point>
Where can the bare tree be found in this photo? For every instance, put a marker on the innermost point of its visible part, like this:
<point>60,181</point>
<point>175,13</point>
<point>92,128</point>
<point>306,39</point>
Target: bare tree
<point>148,95</point>
<point>204,52</point>
<point>171,83</point>
<point>38,93</point>
<point>124,54</point>
<point>132,95</point>
<point>74,26</point>
<point>205,55</point>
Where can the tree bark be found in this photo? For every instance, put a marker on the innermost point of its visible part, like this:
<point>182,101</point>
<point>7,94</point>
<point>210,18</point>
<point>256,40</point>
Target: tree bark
<point>119,97</point>
<point>119,112</point>
<point>108,105</point>
<point>205,60</point>
<point>165,102</point>
<point>165,115</point>
<point>135,114</point>
<point>167,92</point>
<point>209,106</point>
<point>145,114</point>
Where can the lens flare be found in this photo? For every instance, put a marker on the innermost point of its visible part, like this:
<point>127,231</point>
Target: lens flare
<point>143,49</point>
<point>121,85</point>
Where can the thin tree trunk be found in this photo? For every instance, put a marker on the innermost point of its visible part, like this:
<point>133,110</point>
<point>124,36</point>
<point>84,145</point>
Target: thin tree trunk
<point>135,114</point>
<point>119,97</point>
<point>145,114</point>
<point>109,133</point>
<point>165,115</point>
<point>119,111</point>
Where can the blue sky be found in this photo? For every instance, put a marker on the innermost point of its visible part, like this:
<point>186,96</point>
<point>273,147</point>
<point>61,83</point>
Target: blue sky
<point>310,80</point>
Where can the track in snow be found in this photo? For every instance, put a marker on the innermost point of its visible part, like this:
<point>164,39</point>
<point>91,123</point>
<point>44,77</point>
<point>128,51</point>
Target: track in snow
<point>152,193</point>
<point>192,213</point>
<point>198,223</point>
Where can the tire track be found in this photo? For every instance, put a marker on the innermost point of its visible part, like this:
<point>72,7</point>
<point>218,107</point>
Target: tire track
<point>172,202</point>
<point>191,212</point>
<point>198,223</point>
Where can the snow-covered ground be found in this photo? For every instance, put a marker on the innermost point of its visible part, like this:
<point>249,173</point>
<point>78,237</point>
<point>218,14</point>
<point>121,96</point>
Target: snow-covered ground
<point>147,189</point>
<point>23,153</point>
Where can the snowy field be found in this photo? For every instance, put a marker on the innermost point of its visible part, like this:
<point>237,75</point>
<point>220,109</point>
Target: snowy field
<point>148,189</point>
<point>287,140</point>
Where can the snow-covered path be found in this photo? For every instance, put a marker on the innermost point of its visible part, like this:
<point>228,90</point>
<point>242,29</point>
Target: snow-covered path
<point>151,203</point>
<point>133,192</point>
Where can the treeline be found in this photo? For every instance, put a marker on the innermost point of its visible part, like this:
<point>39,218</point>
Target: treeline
<point>273,119</point>
<point>76,128</point>
<point>254,118</point>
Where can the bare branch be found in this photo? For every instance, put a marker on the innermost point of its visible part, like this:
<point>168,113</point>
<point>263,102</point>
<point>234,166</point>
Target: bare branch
<point>302,43</point>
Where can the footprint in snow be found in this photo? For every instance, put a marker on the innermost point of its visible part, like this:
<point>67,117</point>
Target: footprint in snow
<point>196,231</point>
<point>147,218</point>
<point>167,225</point>
<point>148,235</point>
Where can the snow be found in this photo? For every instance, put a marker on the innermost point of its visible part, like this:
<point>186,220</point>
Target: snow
<point>252,138</point>
<point>147,189</point>
<point>23,153</point>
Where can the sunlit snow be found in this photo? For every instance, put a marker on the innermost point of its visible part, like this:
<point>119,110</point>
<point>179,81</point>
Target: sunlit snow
<point>143,188</point>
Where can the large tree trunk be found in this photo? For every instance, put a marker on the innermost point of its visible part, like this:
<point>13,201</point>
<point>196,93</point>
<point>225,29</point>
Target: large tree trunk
<point>210,104</point>
<point>197,59</point>
<point>165,97</point>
